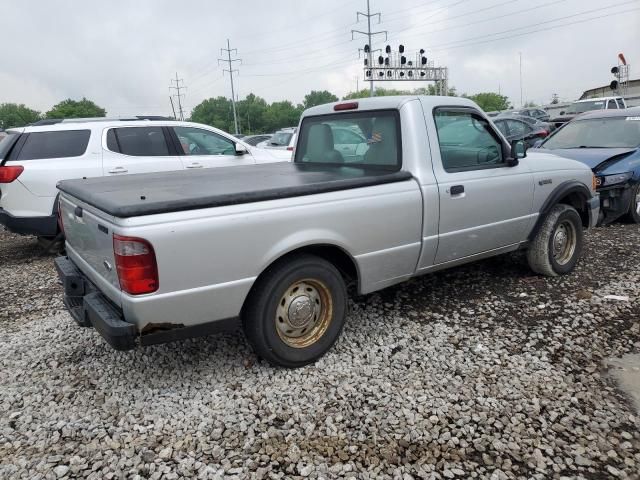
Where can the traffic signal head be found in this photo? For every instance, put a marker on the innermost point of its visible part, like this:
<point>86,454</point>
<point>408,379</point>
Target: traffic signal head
<point>613,85</point>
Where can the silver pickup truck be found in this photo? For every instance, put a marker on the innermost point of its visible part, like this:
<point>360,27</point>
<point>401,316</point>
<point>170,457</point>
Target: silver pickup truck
<point>380,190</point>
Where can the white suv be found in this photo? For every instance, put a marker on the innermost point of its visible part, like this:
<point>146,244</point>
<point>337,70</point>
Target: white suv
<point>34,159</point>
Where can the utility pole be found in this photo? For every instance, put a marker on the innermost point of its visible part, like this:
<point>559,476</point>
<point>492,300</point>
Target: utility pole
<point>369,34</point>
<point>521,96</point>
<point>178,95</point>
<point>230,61</point>
<point>172,107</point>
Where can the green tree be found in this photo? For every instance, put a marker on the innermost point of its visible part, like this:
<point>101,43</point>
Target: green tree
<point>16,115</point>
<point>318,97</point>
<point>217,112</point>
<point>490,101</point>
<point>76,109</point>
<point>431,89</point>
<point>251,114</point>
<point>282,114</point>
<point>530,105</point>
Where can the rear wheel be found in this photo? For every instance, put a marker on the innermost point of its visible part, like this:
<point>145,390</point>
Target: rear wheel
<point>296,311</point>
<point>557,246</point>
<point>633,214</point>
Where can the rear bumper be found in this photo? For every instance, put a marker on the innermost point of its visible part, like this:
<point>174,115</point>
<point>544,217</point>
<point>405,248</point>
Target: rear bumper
<point>89,308</point>
<point>40,226</point>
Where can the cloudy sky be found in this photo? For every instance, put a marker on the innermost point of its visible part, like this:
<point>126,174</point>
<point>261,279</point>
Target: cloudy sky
<point>123,54</point>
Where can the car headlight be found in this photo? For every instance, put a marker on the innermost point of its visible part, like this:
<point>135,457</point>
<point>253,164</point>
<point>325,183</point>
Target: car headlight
<point>607,180</point>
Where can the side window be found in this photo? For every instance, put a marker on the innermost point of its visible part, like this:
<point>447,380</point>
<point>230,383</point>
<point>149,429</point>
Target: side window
<point>467,141</point>
<point>138,141</point>
<point>517,129</point>
<point>620,103</point>
<point>502,126</point>
<point>195,141</point>
<point>612,104</point>
<point>59,144</point>
<point>342,136</point>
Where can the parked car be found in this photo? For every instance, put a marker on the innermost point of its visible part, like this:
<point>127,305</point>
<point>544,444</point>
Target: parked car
<point>533,122</point>
<point>532,112</point>
<point>582,106</point>
<point>254,140</point>
<point>34,158</point>
<point>283,139</point>
<point>608,142</point>
<point>276,245</point>
<point>517,129</point>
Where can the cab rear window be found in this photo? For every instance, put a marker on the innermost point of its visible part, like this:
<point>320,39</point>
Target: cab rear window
<point>367,139</point>
<point>58,144</point>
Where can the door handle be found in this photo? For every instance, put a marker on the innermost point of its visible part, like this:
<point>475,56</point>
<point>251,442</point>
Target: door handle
<point>456,189</point>
<point>119,170</point>
<point>194,165</point>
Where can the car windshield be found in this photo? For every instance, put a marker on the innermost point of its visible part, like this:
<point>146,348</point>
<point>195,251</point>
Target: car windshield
<point>612,132</point>
<point>582,107</point>
<point>6,143</point>
<point>281,139</point>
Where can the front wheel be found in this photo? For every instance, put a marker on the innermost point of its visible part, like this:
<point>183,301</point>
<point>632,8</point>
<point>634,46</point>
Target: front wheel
<point>557,246</point>
<point>296,311</point>
<point>633,215</point>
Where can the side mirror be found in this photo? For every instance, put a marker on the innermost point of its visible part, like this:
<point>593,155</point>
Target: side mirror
<point>241,149</point>
<point>518,151</point>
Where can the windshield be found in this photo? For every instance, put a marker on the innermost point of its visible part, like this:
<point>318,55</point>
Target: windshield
<point>6,143</point>
<point>281,139</point>
<point>613,132</point>
<point>585,106</point>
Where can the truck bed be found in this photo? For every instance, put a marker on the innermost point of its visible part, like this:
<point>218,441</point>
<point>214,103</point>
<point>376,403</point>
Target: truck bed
<point>164,192</point>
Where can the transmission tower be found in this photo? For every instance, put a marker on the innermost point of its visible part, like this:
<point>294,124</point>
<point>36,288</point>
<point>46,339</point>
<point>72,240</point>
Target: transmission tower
<point>179,85</point>
<point>368,49</point>
<point>230,61</point>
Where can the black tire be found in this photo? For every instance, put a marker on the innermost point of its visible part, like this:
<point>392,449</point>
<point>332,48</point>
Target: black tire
<point>546,255</point>
<point>633,215</point>
<point>267,331</point>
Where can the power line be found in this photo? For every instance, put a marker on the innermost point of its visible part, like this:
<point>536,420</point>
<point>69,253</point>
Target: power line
<point>369,46</point>
<point>178,95</point>
<point>230,61</point>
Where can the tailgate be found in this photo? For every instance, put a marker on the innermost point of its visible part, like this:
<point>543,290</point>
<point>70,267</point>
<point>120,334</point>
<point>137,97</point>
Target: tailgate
<point>89,236</point>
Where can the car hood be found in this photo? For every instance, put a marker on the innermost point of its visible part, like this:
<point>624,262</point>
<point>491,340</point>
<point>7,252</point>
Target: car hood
<point>594,158</point>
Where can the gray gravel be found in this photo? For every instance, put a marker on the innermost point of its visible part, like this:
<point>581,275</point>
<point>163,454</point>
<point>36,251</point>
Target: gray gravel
<point>485,371</point>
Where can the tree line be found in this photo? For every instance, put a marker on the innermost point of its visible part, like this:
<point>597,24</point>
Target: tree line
<point>255,114</point>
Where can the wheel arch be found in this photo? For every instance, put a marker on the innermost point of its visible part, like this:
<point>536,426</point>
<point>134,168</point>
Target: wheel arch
<point>572,193</point>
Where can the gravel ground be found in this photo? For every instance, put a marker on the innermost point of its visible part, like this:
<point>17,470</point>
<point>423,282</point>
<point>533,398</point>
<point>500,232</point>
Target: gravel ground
<point>484,371</point>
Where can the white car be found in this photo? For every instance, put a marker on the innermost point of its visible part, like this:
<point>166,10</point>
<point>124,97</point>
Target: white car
<point>35,158</point>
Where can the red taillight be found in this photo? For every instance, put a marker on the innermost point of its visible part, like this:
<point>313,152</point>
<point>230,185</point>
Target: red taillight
<point>290,149</point>
<point>9,174</point>
<point>345,106</point>
<point>135,264</point>
<point>543,133</point>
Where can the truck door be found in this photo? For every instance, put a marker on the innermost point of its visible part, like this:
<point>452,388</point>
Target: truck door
<point>484,203</point>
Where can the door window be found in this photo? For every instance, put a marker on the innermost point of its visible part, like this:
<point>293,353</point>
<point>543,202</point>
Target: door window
<point>502,126</point>
<point>467,141</point>
<point>196,141</point>
<point>518,129</point>
<point>138,141</point>
<point>59,144</point>
<point>620,103</point>
<point>612,105</point>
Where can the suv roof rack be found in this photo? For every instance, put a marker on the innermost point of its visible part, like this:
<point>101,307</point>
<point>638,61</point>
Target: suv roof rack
<point>53,121</point>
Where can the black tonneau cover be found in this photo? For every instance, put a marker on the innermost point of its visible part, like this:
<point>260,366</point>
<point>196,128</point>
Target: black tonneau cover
<point>164,192</point>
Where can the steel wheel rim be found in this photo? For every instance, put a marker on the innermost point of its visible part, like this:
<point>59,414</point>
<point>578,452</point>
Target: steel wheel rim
<point>304,313</point>
<point>564,242</point>
<point>638,203</point>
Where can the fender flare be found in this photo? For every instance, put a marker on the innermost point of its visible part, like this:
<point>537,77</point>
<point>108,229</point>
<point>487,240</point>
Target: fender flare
<point>561,191</point>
